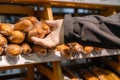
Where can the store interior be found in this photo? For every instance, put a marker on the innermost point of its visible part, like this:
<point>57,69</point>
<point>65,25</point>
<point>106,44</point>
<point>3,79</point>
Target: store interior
<point>93,63</point>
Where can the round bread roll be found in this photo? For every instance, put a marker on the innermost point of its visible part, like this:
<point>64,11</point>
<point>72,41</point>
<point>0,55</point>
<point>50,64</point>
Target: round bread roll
<point>76,47</point>
<point>37,32</point>
<point>30,18</point>
<point>88,49</point>
<point>45,27</point>
<point>3,41</point>
<point>65,50</point>
<point>23,25</point>
<point>26,48</point>
<point>97,49</point>
<point>6,29</point>
<point>13,50</point>
<point>16,37</point>
<point>1,50</point>
<point>39,50</point>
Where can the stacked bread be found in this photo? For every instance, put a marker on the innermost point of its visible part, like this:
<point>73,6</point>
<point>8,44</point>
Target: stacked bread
<point>15,39</point>
<point>74,49</point>
<point>89,73</point>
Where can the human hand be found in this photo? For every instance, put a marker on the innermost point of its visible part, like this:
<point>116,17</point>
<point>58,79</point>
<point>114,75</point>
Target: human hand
<point>55,38</point>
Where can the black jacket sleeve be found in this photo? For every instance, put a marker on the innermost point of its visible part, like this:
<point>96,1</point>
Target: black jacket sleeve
<point>93,30</point>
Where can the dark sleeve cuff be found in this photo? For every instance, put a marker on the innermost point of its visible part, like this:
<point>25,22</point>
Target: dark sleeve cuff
<point>68,24</point>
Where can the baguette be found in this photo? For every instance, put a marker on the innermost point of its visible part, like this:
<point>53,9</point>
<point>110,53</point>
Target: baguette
<point>65,50</point>
<point>99,74</point>
<point>89,76</point>
<point>111,75</point>
<point>113,64</point>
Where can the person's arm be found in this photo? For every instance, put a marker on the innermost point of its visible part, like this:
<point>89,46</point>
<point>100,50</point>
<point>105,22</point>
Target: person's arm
<point>93,30</point>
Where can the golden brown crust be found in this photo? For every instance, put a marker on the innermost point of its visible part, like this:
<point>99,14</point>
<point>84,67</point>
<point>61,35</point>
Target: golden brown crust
<point>88,49</point>
<point>30,18</point>
<point>36,31</point>
<point>89,76</point>
<point>99,74</point>
<point>6,29</point>
<point>23,25</point>
<point>113,64</point>
<point>3,41</point>
<point>65,50</point>
<point>16,37</point>
<point>39,49</point>
<point>13,50</point>
<point>45,28</point>
<point>76,47</point>
<point>26,48</point>
<point>1,50</point>
<point>110,74</point>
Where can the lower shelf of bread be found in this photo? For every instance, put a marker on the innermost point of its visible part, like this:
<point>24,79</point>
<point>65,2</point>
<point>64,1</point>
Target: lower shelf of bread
<point>50,57</point>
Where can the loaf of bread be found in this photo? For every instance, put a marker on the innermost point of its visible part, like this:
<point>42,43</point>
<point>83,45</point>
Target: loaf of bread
<point>36,31</point>
<point>13,50</point>
<point>96,49</point>
<point>6,28</point>
<point>1,50</point>
<point>26,48</point>
<point>110,75</point>
<point>44,27</point>
<point>16,37</point>
<point>33,19</point>
<point>39,50</point>
<point>88,49</point>
<point>3,41</point>
<point>89,76</point>
<point>113,64</point>
<point>96,71</point>
<point>23,25</point>
<point>76,47</point>
<point>65,50</point>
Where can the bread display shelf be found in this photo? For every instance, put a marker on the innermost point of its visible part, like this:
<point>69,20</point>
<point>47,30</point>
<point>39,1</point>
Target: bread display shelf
<point>27,59</point>
<point>35,58</point>
<point>104,52</point>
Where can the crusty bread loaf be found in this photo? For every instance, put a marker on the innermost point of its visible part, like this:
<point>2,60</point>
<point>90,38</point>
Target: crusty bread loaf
<point>65,50</point>
<point>16,37</point>
<point>30,18</point>
<point>99,74</point>
<point>113,64</point>
<point>39,50</point>
<point>36,31</point>
<point>3,41</point>
<point>45,27</point>
<point>6,28</point>
<point>1,50</point>
<point>110,74</point>
<point>23,25</point>
<point>26,48</point>
<point>89,76</point>
<point>88,49</point>
<point>76,47</point>
<point>13,50</point>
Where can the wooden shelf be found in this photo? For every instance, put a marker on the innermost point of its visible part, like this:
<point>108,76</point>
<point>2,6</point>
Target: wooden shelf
<point>28,2</point>
<point>34,58</point>
<point>80,4</point>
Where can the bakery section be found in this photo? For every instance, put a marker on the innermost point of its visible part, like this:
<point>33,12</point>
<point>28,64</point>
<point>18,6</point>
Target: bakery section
<point>18,51</point>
